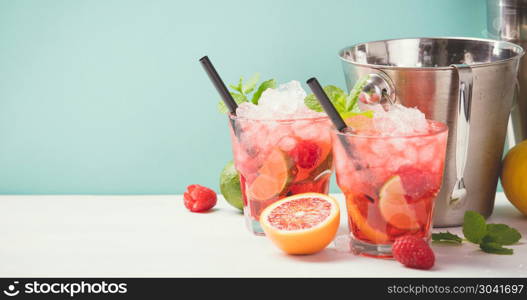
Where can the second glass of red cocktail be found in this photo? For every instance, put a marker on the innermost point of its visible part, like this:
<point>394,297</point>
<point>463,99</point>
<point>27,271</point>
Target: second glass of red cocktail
<point>390,179</point>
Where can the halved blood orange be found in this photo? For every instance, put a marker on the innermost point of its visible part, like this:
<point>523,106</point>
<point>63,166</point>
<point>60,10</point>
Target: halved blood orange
<point>303,223</point>
<point>394,207</point>
<point>273,176</point>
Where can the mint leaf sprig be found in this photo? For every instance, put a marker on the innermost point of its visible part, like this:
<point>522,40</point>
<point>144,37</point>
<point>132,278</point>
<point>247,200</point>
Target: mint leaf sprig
<point>446,237</point>
<point>474,227</point>
<point>490,237</point>
<point>241,91</point>
<point>345,104</point>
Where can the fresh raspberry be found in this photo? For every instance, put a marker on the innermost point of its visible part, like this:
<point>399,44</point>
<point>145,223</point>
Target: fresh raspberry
<point>199,198</point>
<point>418,184</point>
<point>413,252</point>
<point>306,154</point>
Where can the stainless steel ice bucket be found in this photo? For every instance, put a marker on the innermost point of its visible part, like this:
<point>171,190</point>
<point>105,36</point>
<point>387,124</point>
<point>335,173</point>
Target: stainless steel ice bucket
<point>468,84</point>
<point>507,20</point>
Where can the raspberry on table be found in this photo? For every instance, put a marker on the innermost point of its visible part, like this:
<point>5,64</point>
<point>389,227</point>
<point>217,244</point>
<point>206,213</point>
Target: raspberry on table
<point>199,198</point>
<point>413,252</point>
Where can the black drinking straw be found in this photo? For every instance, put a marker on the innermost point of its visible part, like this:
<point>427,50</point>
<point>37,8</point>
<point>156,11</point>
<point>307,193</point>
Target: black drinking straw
<point>218,84</point>
<point>222,90</point>
<point>328,107</point>
<point>333,115</point>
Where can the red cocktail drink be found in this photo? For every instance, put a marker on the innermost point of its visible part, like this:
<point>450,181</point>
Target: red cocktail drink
<point>390,182</point>
<point>279,158</point>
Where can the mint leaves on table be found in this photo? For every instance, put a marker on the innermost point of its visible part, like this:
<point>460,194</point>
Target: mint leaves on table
<point>490,237</point>
<point>474,227</point>
<point>502,234</point>
<point>345,104</point>
<point>446,237</point>
<point>495,248</point>
<point>241,91</point>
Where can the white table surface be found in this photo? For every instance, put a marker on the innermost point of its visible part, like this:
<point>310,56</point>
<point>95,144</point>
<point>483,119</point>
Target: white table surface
<point>155,236</point>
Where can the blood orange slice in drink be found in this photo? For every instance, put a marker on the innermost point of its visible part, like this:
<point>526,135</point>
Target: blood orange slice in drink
<point>363,224</point>
<point>273,176</point>
<point>303,223</point>
<point>394,206</point>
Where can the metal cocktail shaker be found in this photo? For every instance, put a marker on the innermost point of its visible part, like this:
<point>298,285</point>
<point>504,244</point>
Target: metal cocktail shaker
<point>467,83</point>
<point>507,20</point>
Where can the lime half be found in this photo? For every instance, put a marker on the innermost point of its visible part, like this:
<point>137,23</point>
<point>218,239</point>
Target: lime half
<point>230,186</point>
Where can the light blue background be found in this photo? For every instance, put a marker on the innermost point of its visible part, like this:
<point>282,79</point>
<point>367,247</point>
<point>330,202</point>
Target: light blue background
<point>108,97</point>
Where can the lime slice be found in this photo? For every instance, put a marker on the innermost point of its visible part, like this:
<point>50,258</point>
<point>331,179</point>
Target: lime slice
<point>273,176</point>
<point>394,207</point>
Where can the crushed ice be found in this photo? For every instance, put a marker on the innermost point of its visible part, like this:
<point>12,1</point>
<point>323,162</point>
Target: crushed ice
<point>399,121</point>
<point>284,102</point>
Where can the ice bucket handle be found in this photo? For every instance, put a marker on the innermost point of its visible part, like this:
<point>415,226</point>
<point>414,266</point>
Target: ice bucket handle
<point>464,103</point>
<point>378,88</point>
<point>514,137</point>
